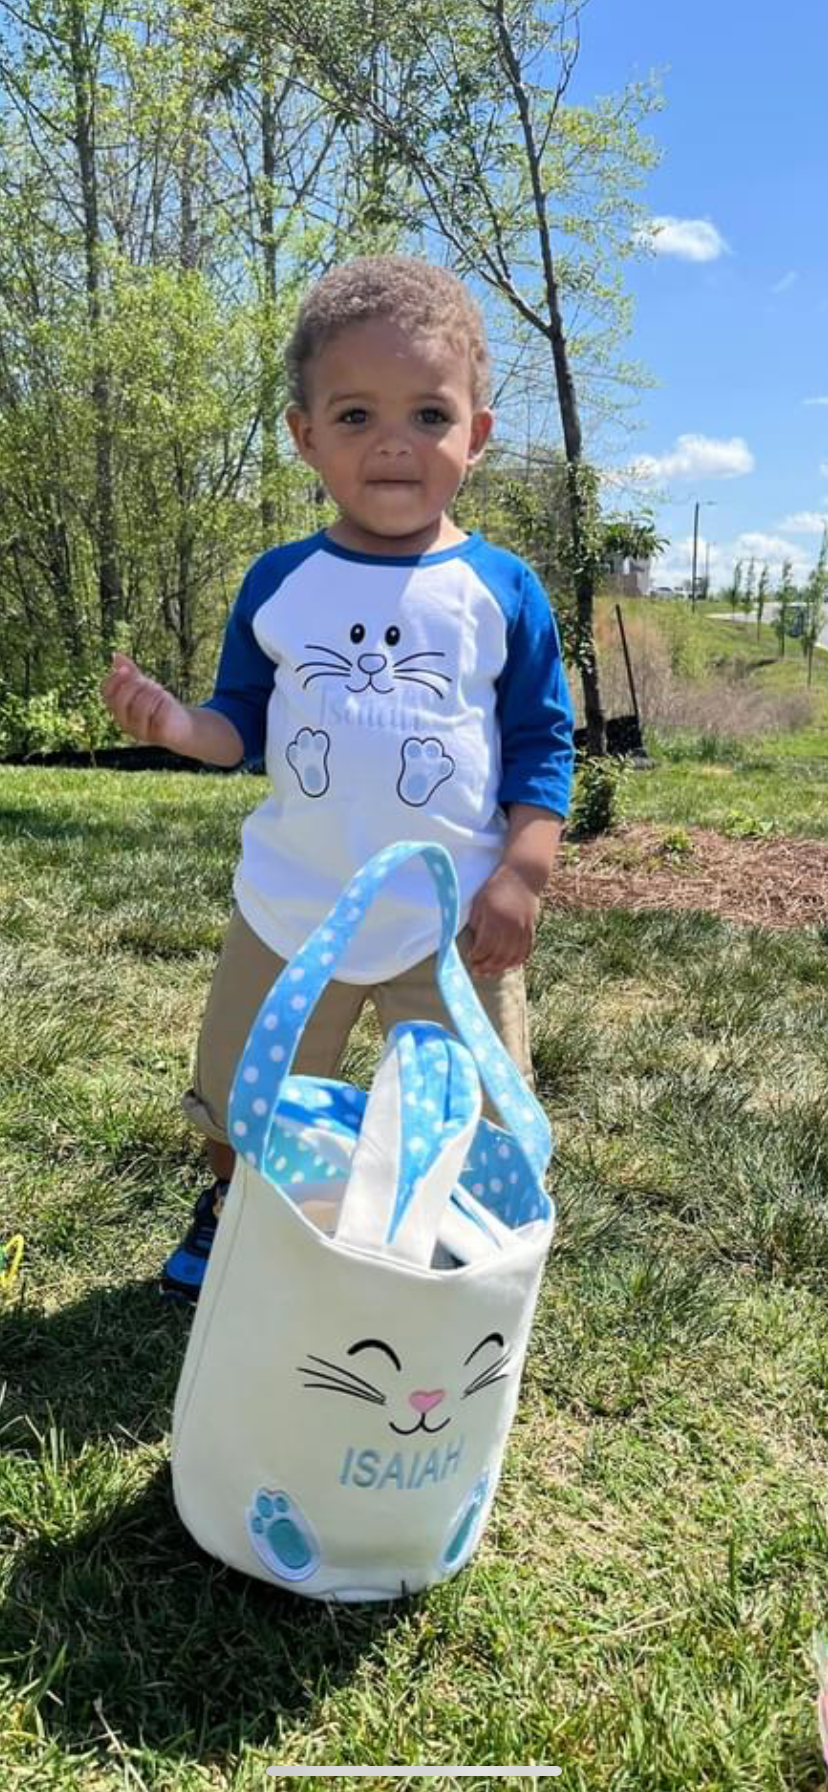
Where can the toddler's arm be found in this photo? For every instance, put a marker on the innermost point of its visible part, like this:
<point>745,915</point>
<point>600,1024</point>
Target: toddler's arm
<point>504,912</point>
<point>535,717</point>
<point>149,713</point>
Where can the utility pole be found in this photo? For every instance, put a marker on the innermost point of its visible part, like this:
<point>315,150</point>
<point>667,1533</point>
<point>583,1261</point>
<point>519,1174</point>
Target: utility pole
<point>694,578</point>
<point>695,554</point>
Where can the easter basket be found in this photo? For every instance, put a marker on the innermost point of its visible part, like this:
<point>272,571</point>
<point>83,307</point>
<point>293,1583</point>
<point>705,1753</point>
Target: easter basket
<point>353,1368</point>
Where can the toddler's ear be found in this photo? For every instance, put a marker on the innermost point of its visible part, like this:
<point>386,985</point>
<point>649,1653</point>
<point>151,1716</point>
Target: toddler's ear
<point>301,429</point>
<point>482,424</point>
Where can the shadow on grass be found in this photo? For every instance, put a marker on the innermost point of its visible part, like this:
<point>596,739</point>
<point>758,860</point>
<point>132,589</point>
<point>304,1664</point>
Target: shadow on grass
<point>106,1366</point>
<point>113,1620</point>
<point>127,1627</point>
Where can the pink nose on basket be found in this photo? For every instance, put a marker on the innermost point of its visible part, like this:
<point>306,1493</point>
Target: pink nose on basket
<point>423,1401</point>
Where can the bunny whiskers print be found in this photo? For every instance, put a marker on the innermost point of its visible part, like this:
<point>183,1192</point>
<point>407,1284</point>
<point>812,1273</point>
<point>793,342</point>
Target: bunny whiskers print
<point>380,670</point>
<point>370,670</point>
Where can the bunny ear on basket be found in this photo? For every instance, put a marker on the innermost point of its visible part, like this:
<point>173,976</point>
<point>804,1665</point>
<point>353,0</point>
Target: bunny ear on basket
<point>819,1648</point>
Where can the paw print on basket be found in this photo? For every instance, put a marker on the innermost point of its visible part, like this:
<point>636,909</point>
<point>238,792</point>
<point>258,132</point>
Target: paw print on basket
<point>307,754</point>
<point>466,1527</point>
<point>425,766</point>
<point>281,1536</point>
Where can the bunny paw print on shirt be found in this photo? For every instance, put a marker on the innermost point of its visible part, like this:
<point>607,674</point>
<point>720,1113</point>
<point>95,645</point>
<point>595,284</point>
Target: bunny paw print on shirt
<point>307,754</point>
<point>425,766</point>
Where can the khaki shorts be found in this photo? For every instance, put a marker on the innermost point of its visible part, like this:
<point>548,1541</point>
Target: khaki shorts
<point>243,976</point>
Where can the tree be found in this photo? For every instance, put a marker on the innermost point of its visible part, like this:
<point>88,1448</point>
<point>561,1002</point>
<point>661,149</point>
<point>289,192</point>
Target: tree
<point>187,376</point>
<point>534,195</point>
<point>47,586</point>
<point>762,593</point>
<point>736,587</point>
<point>749,590</point>
<point>142,314</point>
<point>632,537</point>
<point>814,599</point>
<point>524,505</point>
<point>56,78</point>
<point>785,596</point>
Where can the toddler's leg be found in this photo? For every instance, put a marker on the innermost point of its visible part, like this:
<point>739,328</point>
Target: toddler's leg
<point>245,972</point>
<point>415,996</point>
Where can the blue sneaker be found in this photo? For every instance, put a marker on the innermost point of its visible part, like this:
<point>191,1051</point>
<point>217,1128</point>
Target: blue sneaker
<point>183,1272</point>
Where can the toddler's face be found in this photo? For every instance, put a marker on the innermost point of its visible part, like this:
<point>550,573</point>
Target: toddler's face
<point>391,429</point>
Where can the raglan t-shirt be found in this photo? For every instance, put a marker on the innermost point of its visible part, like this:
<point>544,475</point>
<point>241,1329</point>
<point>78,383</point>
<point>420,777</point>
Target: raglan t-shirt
<point>393,699</point>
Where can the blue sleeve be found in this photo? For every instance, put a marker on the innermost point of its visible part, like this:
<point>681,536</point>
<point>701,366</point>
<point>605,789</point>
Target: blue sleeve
<point>244,681</point>
<point>534,708</point>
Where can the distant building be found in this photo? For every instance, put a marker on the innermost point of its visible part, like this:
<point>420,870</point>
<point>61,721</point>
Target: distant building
<point>629,575</point>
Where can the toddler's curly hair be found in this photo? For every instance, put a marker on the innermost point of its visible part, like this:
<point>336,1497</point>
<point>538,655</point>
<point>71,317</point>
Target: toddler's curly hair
<point>423,299</point>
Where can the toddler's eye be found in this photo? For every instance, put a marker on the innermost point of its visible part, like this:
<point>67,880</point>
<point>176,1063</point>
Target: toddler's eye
<point>355,415</point>
<point>357,633</point>
<point>392,636</point>
<point>431,415</point>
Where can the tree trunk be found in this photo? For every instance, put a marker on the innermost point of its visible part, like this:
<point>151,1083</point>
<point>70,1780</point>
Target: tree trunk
<point>185,611</point>
<point>180,612</point>
<point>109,578</point>
<point>60,566</point>
<point>269,379</point>
<point>583,572</point>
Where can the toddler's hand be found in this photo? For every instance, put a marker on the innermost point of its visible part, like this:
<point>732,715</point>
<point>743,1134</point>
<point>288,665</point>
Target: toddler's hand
<point>143,708</point>
<point>502,920</point>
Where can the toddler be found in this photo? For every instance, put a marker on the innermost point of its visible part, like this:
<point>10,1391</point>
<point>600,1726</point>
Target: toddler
<point>403,681</point>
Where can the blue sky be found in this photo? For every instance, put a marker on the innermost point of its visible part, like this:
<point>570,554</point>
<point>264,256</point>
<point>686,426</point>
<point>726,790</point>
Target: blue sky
<point>731,313</point>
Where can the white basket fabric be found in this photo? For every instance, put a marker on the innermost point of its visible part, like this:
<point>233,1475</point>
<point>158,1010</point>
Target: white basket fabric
<point>353,1368</point>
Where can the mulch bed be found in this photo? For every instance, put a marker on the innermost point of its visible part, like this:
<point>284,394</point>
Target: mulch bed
<point>770,882</point>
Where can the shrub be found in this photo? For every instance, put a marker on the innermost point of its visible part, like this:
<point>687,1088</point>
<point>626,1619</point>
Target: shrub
<point>676,844</point>
<point>65,719</point>
<point>737,825</point>
<point>597,805</point>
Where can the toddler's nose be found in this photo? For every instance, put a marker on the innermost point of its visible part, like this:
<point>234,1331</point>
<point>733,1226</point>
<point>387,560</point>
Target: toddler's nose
<point>371,662</point>
<point>423,1399</point>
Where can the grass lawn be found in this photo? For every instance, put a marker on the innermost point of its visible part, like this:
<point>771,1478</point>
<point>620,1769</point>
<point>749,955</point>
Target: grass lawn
<point>779,779</point>
<point>786,795</point>
<point>642,1606</point>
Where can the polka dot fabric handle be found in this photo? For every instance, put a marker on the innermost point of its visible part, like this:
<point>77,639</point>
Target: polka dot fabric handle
<point>284,1014</point>
<point>500,1077</point>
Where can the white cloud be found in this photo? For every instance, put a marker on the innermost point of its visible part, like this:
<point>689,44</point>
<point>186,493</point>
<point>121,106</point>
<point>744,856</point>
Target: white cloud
<point>693,239</point>
<point>821,400</point>
<point>675,565</point>
<point>805,522</point>
<point>771,551</point>
<point>697,457</point>
<point>787,281</point>
<point>754,544</point>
